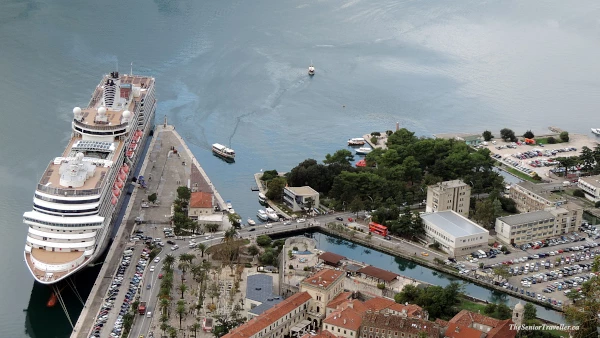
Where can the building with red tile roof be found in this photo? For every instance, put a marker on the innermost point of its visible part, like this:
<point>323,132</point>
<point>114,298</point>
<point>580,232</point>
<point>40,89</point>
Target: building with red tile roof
<point>322,334</point>
<point>386,325</point>
<point>465,323</point>
<point>344,323</point>
<point>276,321</point>
<point>201,204</point>
<point>323,287</point>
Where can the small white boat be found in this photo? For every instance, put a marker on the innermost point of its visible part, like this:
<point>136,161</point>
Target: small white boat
<point>311,70</point>
<point>251,222</point>
<point>272,215</point>
<point>231,211</point>
<point>262,197</point>
<point>596,131</point>
<point>358,141</point>
<point>262,215</point>
<point>363,150</point>
<point>229,205</point>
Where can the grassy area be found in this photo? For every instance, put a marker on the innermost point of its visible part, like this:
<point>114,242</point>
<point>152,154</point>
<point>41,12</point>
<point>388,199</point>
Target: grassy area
<point>544,140</point>
<point>520,174</point>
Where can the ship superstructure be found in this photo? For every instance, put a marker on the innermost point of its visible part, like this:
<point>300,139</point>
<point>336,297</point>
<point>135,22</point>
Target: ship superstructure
<point>80,192</point>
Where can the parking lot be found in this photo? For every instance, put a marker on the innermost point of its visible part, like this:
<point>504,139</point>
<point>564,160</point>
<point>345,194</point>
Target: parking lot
<point>537,158</point>
<point>124,287</point>
<point>544,270</point>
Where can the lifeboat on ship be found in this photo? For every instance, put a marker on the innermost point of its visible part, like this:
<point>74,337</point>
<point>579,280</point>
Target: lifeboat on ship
<point>52,300</point>
<point>114,200</point>
<point>129,153</point>
<point>116,192</point>
<point>125,168</point>
<point>122,177</point>
<point>119,185</point>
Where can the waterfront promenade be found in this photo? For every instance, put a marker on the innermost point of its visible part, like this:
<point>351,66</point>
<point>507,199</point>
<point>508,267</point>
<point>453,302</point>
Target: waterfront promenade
<point>164,170</point>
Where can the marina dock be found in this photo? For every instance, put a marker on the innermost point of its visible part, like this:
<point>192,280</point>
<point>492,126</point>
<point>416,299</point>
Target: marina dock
<point>165,167</point>
<point>263,190</point>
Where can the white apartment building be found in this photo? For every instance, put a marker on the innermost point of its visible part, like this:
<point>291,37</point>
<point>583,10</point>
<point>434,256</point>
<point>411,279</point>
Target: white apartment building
<point>296,197</point>
<point>590,186</point>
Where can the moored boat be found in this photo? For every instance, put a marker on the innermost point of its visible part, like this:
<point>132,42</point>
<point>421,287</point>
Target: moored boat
<point>84,188</point>
<point>357,141</point>
<point>262,215</point>
<point>363,150</point>
<point>223,151</point>
<point>311,69</point>
<point>272,214</point>
<point>596,131</point>
<point>261,197</point>
<point>251,222</point>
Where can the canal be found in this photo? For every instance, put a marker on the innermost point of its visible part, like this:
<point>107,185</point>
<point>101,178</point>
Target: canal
<point>410,269</point>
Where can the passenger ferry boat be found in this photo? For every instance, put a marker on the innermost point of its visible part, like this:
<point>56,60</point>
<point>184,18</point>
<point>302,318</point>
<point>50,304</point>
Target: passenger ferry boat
<point>358,141</point>
<point>81,191</point>
<point>223,151</point>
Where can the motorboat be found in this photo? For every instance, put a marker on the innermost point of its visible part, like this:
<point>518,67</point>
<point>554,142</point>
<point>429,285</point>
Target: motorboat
<point>229,205</point>
<point>596,131</point>
<point>363,150</point>
<point>272,214</point>
<point>261,197</point>
<point>358,141</point>
<point>262,215</point>
<point>311,70</point>
<point>223,151</point>
<point>251,222</point>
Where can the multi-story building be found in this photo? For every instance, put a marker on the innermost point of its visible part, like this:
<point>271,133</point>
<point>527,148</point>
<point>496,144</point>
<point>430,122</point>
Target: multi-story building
<point>590,186</point>
<point>568,218</point>
<point>526,227</point>
<point>277,321</point>
<point>259,294</point>
<point>532,197</point>
<point>450,195</point>
<point>323,286</point>
<point>456,234</point>
<point>384,325</point>
<point>296,198</point>
<point>471,324</point>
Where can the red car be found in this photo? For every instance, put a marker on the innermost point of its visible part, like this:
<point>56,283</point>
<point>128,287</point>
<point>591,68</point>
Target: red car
<point>160,276</point>
<point>349,219</point>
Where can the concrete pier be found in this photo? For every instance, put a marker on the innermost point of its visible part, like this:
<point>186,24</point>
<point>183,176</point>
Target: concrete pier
<point>262,189</point>
<point>164,171</point>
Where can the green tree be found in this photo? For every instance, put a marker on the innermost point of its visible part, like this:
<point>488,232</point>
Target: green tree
<point>184,193</point>
<point>508,135</point>
<point>578,193</point>
<point>490,309</point>
<point>211,227</point>
<point>234,219</point>
<point>181,310</point>
<point>584,312</point>
<point>487,135</point>
<point>528,134</point>
<point>357,205</point>
<point>263,240</point>
<point>341,157</point>
<point>269,175</point>
<point>201,247</point>
<point>195,327</point>
<point>530,312</point>
<point>172,332</point>
<point>485,213</point>
<point>275,188</point>
<point>564,136</point>
<point>503,312</point>
<point>253,250</point>
<point>502,271</point>
<point>586,158</point>
<point>152,198</point>
<point>567,163</point>
<point>183,288</point>
<point>169,261</point>
<point>551,140</point>
<point>225,322</point>
<point>309,203</point>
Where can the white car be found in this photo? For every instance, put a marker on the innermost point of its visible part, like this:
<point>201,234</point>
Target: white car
<point>152,268</point>
<point>157,259</point>
<point>301,220</point>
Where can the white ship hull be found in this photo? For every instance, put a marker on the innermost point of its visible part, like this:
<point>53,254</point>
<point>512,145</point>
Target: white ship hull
<point>46,250</point>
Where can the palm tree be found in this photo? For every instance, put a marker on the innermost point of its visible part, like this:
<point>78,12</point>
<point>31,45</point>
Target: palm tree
<point>201,247</point>
<point>187,257</point>
<point>168,262</point>
<point>183,288</point>
<point>183,266</point>
<point>195,327</point>
<point>172,332</point>
<point>164,306</point>
<point>229,235</point>
<point>164,327</point>
<point>180,310</point>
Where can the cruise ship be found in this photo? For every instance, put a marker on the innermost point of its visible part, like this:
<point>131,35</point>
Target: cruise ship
<point>81,191</point>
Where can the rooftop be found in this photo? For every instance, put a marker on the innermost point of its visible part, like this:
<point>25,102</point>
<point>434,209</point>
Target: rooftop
<point>449,184</point>
<point>463,321</point>
<point>302,191</point>
<point>527,217</point>
<point>260,289</point>
<point>407,325</point>
<point>543,189</point>
<point>323,278</point>
<point>378,273</point>
<point>347,318</point>
<point>591,180</point>
<point>257,324</point>
<point>331,258</point>
<point>453,223</point>
<point>201,200</point>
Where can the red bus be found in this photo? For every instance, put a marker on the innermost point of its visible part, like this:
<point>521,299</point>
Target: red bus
<point>378,229</point>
